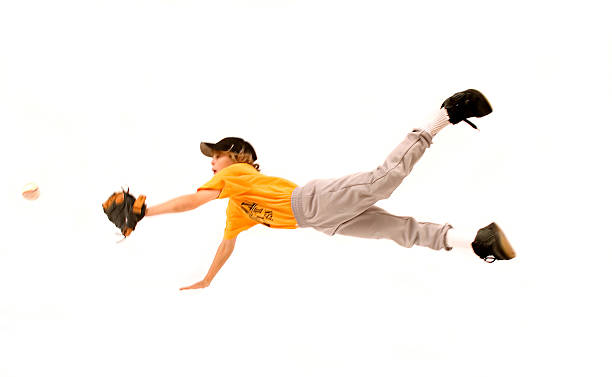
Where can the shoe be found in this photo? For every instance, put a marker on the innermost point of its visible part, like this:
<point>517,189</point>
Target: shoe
<point>491,244</point>
<point>466,104</point>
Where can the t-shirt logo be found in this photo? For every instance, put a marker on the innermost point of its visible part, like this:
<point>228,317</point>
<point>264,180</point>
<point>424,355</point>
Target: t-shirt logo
<point>255,212</point>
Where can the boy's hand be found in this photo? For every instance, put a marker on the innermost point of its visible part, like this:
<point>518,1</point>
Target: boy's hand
<point>223,252</point>
<point>198,285</point>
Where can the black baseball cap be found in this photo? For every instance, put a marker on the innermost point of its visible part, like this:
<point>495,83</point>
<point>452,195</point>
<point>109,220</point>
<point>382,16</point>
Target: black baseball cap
<point>228,144</point>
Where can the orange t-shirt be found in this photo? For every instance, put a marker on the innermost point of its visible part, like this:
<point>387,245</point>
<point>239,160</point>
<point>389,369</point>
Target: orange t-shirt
<point>253,198</point>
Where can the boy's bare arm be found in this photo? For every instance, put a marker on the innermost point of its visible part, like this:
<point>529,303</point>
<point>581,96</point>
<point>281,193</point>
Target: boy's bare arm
<point>183,203</point>
<point>223,253</point>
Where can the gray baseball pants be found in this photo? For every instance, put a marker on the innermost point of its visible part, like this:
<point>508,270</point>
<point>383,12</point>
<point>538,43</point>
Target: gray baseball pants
<point>346,205</point>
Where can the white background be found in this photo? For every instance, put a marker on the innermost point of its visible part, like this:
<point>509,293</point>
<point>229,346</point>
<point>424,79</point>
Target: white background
<point>99,94</point>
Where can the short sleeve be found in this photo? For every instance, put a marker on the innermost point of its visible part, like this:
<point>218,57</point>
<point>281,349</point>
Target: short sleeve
<point>217,182</point>
<point>236,221</point>
<point>233,180</point>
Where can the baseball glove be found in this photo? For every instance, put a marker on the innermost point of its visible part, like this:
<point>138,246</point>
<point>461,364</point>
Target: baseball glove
<point>124,210</point>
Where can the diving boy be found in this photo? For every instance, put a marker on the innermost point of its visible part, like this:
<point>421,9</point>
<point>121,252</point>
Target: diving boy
<point>334,206</point>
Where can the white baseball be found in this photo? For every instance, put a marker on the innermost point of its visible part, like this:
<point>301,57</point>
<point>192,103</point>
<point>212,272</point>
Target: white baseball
<point>30,191</point>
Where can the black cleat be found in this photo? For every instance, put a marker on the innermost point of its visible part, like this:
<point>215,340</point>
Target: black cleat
<point>491,244</point>
<point>466,104</point>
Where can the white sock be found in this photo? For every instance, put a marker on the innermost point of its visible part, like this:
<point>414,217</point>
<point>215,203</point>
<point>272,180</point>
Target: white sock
<point>439,121</point>
<point>460,239</point>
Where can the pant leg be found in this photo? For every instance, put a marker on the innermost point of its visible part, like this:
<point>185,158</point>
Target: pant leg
<point>326,203</point>
<point>377,223</point>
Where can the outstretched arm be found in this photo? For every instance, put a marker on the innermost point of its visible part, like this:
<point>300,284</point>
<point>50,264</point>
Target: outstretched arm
<point>223,253</point>
<point>183,203</point>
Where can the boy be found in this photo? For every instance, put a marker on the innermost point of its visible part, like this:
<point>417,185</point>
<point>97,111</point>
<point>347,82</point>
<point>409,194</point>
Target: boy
<point>344,205</point>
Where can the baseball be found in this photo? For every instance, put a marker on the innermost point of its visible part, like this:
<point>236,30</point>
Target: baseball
<point>30,191</point>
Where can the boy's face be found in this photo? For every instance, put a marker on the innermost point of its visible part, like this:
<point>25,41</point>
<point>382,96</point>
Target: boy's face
<point>220,161</point>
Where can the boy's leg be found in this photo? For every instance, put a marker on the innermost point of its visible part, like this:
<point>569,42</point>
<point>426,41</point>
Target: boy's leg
<point>489,243</point>
<point>377,223</point>
<point>346,205</point>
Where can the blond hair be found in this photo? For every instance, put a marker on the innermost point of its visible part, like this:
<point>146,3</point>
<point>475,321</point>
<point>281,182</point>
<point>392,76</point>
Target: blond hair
<point>241,157</point>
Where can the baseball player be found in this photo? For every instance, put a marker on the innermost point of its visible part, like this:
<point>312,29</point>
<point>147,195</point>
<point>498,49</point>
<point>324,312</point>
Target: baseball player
<point>333,206</point>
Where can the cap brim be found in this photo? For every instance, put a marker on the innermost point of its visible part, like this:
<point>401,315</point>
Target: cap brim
<point>207,148</point>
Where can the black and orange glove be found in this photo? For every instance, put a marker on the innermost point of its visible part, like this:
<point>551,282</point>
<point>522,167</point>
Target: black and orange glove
<point>124,210</point>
